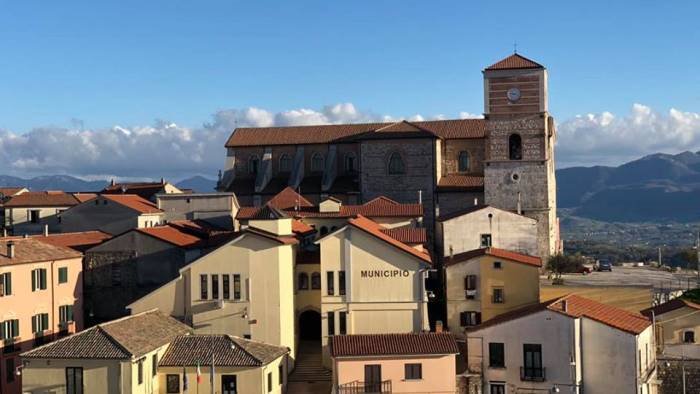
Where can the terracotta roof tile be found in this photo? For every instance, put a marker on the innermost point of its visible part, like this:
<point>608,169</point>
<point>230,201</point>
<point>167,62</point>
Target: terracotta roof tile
<point>288,198</point>
<point>172,235</point>
<point>375,229</point>
<point>364,345</point>
<point>145,190</point>
<point>80,241</point>
<point>514,61</point>
<point>299,227</point>
<point>461,182</point>
<point>82,197</point>
<point>30,250</point>
<point>41,199</point>
<point>407,234</point>
<point>134,202</point>
<point>676,303</point>
<point>229,351</point>
<point>10,191</point>
<point>495,252</point>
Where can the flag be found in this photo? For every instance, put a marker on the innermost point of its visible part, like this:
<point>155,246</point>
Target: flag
<point>199,374</point>
<point>184,379</point>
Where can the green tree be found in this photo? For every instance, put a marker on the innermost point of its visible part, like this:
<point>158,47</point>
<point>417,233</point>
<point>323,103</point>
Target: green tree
<point>561,264</point>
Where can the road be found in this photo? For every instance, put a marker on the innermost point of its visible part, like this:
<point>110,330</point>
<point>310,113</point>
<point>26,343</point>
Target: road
<point>631,276</point>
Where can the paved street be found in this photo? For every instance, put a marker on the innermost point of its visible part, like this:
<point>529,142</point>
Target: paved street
<point>631,276</point>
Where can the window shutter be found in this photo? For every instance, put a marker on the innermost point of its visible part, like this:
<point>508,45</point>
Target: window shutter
<point>42,276</point>
<point>466,282</point>
<point>8,283</point>
<point>70,312</point>
<point>463,319</point>
<point>2,330</point>
<point>478,318</point>
<point>44,321</point>
<point>34,323</point>
<point>15,327</point>
<point>33,280</point>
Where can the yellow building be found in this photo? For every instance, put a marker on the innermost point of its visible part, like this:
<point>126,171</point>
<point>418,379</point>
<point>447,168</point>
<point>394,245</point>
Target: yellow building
<point>677,327</point>
<point>120,356</point>
<point>484,283</point>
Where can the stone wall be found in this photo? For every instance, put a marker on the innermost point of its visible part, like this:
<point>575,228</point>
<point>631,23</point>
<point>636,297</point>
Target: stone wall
<point>671,376</point>
<point>450,155</point>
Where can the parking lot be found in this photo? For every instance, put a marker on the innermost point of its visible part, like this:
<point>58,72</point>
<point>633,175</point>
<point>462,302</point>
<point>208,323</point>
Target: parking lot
<point>632,276</point>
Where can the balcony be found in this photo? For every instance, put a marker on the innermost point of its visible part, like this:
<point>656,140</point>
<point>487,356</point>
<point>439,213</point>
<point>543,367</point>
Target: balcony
<point>532,374</point>
<point>357,387</point>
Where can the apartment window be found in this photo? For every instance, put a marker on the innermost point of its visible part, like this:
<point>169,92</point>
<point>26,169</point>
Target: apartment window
<point>496,355</point>
<point>341,282</point>
<point>203,287</point>
<point>236,287</point>
<point>330,282</point>
<point>65,313</point>
<point>62,274</point>
<point>331,323</point>
<point>285,163</point>
<point>5,284</point>
<point>689,337</point>
<point>116,274</point>
<point>40,323</point>
<point>463,161</point>
<point>315,281</point>
<point>74,380</point>
<point>413,371</point>
<point>470,287</point>
<point>317,162</point>
<point>485,240</point>
<point>532,363</point>
<point>498,295</point>
<point>215,287</point>
<point>154,365</point>
<point>280,371</point>
<point>396,166</point>
<point>140,371</point>
<point>226,283</point>
<point>469,318</point>
<point>303,282</point>
<point>497,388</point>
<point>38,279</point>
<point>9,329</point>
<point>269,382</point>
<point>497,265</point>
<point>34,215</point>
<point>10,370</point>
<point>172,384</point>
<point>343,320</point>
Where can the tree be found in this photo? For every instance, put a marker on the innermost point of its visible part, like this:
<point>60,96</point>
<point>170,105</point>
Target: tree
<point>560,264</point>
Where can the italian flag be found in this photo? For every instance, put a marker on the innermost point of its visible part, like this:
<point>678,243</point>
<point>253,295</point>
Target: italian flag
<point>199,374</point>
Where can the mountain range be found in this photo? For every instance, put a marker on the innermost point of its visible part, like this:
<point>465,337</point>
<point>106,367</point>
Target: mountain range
<point>72,184</point>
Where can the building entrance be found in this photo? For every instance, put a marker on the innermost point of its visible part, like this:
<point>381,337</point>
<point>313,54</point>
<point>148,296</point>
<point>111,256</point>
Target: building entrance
<point>310,325</point>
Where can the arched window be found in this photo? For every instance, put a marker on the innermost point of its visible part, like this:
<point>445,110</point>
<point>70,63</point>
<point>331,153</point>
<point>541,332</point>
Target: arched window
<point>350,162</point>
<point>463,161</point>
<point>515,147</point>
<point>317,162</point>
<point>253,164</point>
<point>315,281</point>
<point>396,166</point>
<point>285,163</point>
<point>303,281</point>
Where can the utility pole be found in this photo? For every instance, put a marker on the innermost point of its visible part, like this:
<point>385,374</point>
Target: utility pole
<point>697,252</point>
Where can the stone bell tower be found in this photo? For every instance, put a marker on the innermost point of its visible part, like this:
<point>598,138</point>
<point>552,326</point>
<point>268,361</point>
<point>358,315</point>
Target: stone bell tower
<point>519,173</point>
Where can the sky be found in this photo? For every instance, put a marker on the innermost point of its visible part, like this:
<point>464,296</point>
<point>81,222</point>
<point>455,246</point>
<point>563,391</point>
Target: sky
<point>134,88</point>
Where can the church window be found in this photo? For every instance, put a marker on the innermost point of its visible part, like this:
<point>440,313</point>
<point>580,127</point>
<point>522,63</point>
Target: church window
<point>303,281</point>
<point>285,163</point>
<point>463,161</point>
<point>350,162</point>
<point>515,147</point>
<point>317,163</point>
<point>396,166</point>
<point>253,165</point>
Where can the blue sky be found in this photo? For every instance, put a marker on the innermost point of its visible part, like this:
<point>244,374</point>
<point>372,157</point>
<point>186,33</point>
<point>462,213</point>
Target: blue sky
<point>129,63</point>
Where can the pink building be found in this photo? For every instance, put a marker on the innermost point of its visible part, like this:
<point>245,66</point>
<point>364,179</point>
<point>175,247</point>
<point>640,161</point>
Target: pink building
<point>41,298</point>
<point>394,363</point>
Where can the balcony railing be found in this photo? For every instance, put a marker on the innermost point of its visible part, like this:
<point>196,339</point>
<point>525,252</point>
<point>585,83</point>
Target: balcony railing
<point>357,387</point>
<point>532,374</point>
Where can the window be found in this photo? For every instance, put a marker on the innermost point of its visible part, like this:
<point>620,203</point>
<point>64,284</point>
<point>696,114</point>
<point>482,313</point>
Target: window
<point>315,281</point>
<point>154,364</point>
<point>330,283</point>
<point>62,274</point>
<point>343,321</point>
<point>65,313</point>
<point>203,287</point>
<point>172,384</point>
<point>532,369</point>
<point>485,240</point>
<point>317,162</point>
<point>303,283</point>
<point>10,370</point>
<point>140,371</point>
<point>470,287</point>
<point>116,274</point>
<point>226,283</point>
<point>413,371</point>
<point>253,164</point>
<point>38,279</point>
<point>469,318</point>
<point>9,329</point>
<point>515,147</point>
<point>689,337</point>
<point>5,284</point>
<point>269,382</point>
<point>496,355</point>
<point>497,265</point>
<point>74,380</point>
<point>280,371</point>
<point>237,287</point>
<point>331,323</point>
<point>396,166</point>
<point>40,322</point>
<point>341,282</point>
<point>498,295</point>
<point>285,163</point>
<point>463,161</point>
<point>215,287</point>
<point>350,162</point>
<point>498,388</point>
<point>34,215</point>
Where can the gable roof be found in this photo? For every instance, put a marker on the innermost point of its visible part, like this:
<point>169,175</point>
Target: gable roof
<point>393,344</point>
<point>229,351</point>
<point>375,229</point>
<point>288,198</point>
<point>80,241</point>
<point>10,191</point>
<point>513,62</point>
<point>172,235</point>
<point>301,228</point>
<point>323,134</point>
<point>461,212</point>
<point>145,190</point>
<point>672,305</point>
<point>32,250</point>
<point>407,234</point>
<point>41,199</point>
<point>137,203</point>
<point>495,252</point>
<point>130,336</point>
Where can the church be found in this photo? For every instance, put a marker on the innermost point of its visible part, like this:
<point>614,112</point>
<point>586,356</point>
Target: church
<point>505,160</point>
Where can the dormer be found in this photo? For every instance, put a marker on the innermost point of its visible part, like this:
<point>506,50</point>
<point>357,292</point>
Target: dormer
<point>331,204</point>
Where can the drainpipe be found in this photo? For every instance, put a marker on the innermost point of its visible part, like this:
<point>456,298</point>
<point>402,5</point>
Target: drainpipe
<point>53,299</point>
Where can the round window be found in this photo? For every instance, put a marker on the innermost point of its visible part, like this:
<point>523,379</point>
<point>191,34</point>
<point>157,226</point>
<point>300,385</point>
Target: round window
<point>515,177</point>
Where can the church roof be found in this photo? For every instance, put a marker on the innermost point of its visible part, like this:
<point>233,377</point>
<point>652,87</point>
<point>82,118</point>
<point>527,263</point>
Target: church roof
<point>514,62</point>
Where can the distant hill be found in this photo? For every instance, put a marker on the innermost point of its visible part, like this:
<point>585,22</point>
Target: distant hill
<point>53,182</point>
<point>198,183</point>
<point>658,187</point>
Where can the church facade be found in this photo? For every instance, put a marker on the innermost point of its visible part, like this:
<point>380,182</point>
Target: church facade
<point>505,160</point>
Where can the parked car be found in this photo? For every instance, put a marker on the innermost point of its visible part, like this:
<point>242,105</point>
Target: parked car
<point>604,265</point>
<point>584,270</point>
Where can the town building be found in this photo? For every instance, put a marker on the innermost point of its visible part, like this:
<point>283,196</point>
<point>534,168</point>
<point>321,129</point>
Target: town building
<point>145,190</point>
<point>240,366</point>
<point>117,357</point>
<point>566,345</point>
<point>40,300</point>
<point>505,160</point>
<point>394,363</point>
<point>7,192</point>
<point>37,212</point>
<point>370,283</point>
<point>217,208</point>
<point>483,283</point>
<point>677,328</point>
<point>112,214</point>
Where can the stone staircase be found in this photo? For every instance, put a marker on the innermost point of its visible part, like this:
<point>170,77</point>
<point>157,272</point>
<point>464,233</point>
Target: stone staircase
<point>308,367</point>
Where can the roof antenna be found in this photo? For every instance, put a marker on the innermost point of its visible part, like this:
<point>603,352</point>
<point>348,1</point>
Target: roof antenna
<point>515,47</point>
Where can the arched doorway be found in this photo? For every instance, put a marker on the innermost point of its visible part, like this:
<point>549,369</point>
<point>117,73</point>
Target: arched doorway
<point>310,325</point>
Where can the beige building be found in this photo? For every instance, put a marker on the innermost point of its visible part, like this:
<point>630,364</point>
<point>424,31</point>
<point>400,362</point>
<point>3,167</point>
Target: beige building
<point>118,357</point>
<point>41,298</point>
<point>145,190</point>
<point>394,363</point>
<point>111,213</point>
<point>484,283</point>
<point>370,283</point>
<point>240,366</point>
<point>244,288</point>
<point>677,328</point>
<point>217,208</point>
<point>36,212</point>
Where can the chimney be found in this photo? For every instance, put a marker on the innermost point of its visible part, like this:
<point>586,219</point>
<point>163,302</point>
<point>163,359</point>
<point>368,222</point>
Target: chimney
<point>25,235</point>
<point>111,183</point>
<point>11,249</point>
<point>46,230</point>
<point>438,326</point>
<point>162,181</point>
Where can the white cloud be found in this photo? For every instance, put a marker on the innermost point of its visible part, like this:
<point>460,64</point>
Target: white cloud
<point>607,139</point>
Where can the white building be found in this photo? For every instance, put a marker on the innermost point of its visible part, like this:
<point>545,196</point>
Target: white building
<point>567,345</point>
<point>111,213</point>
